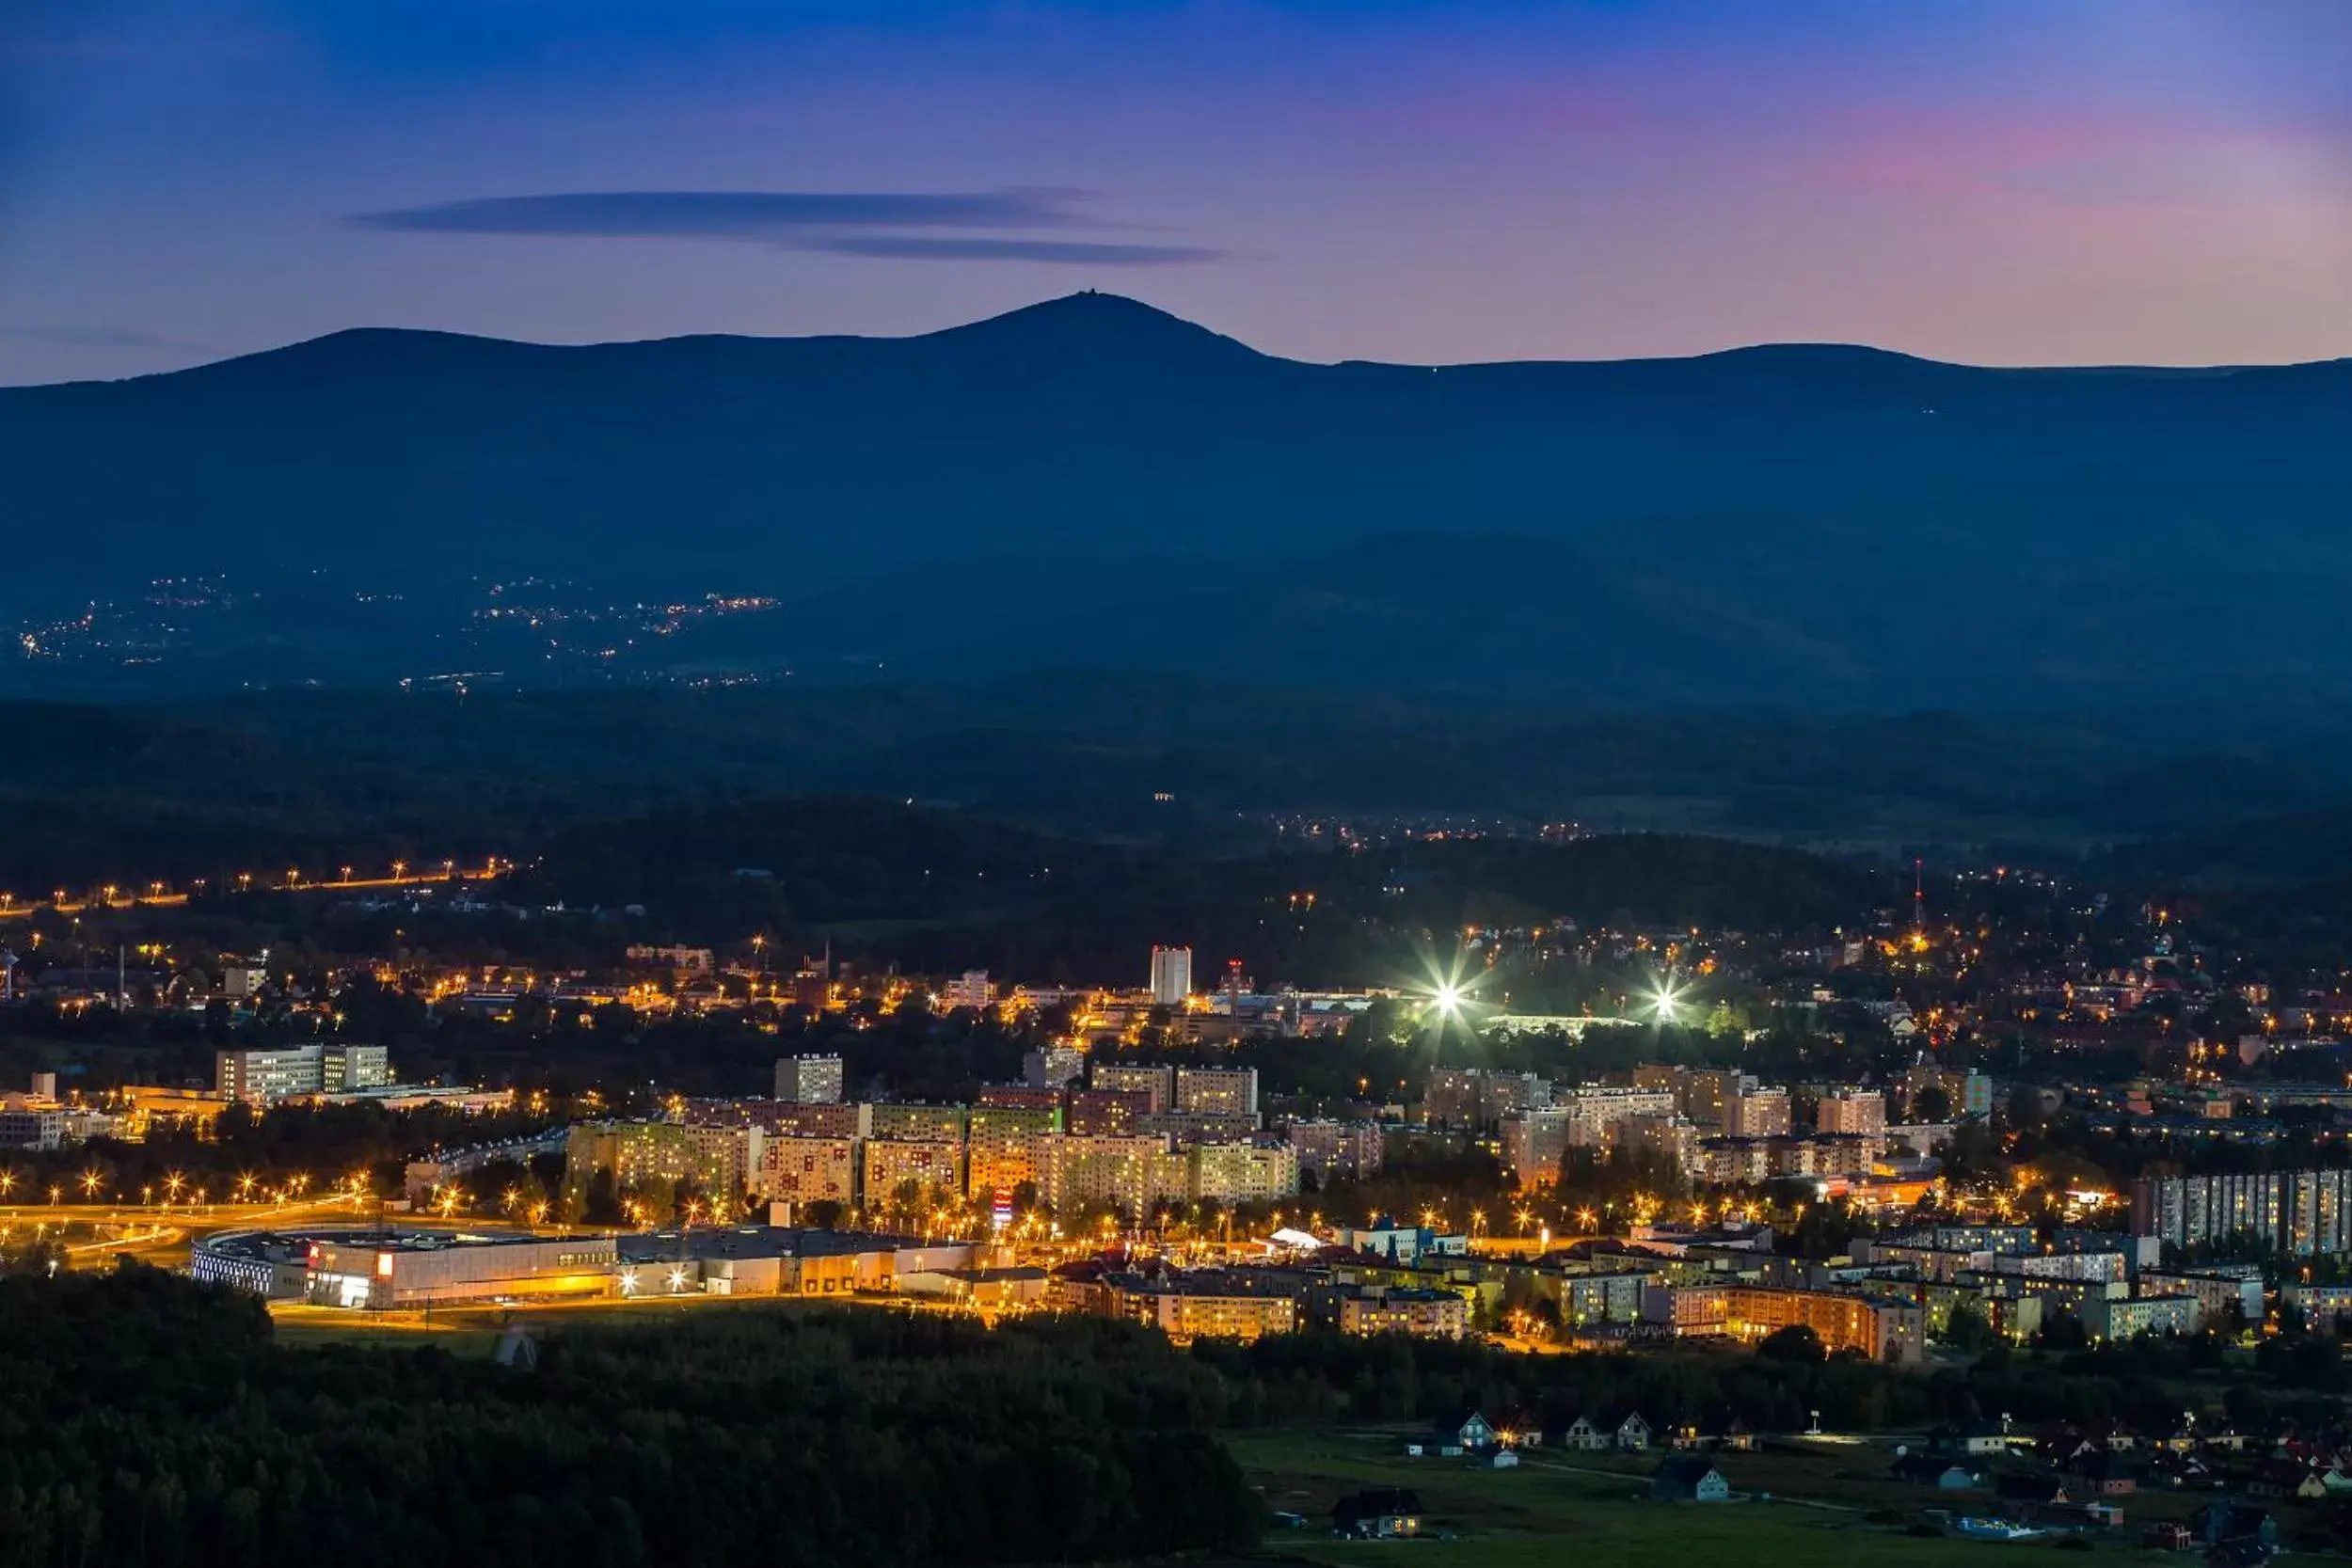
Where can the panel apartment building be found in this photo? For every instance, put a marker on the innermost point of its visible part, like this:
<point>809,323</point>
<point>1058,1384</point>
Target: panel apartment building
<point>2301,1212</point>
<point>267,1077</point>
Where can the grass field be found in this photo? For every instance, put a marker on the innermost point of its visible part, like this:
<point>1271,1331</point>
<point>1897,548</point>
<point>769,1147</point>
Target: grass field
<point>1598,1509</point>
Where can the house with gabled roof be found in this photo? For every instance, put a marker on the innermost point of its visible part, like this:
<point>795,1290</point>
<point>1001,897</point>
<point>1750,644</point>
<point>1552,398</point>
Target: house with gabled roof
<point>1584,1437</point>
<point>1690,1479</point>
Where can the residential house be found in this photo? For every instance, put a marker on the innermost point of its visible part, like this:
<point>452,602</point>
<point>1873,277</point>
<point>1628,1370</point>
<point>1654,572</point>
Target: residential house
<point>1633,1434</point>
<point>2181,1471</point>
<point>1468,1432</point>
<point>1936,1471</point>
<point>2225,1437</point>
<point>1518,1429</point>
<point>1583,1436</point>
<point>1731,1435</point>
<point>2287,1477</point>
<point>1379,1514</point>
<point>1968,1438</point>
<point>2101,1473</point>
<point>1688,1478</point>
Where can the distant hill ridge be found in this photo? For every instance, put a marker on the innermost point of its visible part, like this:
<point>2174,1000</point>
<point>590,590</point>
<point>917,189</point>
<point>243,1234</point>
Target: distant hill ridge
<point>1092,481</point>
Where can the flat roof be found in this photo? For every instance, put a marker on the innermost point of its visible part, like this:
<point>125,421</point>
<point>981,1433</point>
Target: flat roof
<point>262,1246</point>
<point>762,1241</point>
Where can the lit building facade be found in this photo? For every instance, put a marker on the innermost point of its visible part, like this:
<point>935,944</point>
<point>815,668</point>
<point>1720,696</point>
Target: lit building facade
<point>1172,976</point>
<point>2303,1212</point>
<point>1860,1112</point>
<point>931,1165</point>
<point>267,1077</point>
<point>1216,1091</point>
<point>810,1080</point>
<point>1155,1084</point>
<point>1242,1172</point>
<point>1422,1314</point>
<point>808,1170</point>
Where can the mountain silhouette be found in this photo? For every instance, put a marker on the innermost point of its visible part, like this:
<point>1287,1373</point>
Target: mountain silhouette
<point>1090,481</point>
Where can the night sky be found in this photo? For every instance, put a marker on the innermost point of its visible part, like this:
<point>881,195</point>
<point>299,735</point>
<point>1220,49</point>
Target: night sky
<point>2028,182</point>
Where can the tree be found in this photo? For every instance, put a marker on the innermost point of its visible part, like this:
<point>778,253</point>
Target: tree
<point>1931,1104</point>
<point>1796,1343</point>
<point>1967,1329</point>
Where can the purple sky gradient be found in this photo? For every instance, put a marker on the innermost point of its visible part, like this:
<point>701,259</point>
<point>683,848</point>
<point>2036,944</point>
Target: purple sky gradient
<point>2022,182</point>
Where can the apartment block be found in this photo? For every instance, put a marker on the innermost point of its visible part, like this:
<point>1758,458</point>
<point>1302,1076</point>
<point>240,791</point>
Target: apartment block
<point>1851,1112</point>
<point>1156,1084</point>
<point>808,1170</point>
<point>1263,1172</point>
<point>1216,1091</point>
<point>809,1080</point>
<point>887,1166</point>
<point>1337,1148</point>
<point>1758,1113</point>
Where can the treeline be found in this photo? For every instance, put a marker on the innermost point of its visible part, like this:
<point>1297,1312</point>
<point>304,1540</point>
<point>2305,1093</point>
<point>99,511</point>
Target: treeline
<point>1324,1380</point>
<point>155,1421</point>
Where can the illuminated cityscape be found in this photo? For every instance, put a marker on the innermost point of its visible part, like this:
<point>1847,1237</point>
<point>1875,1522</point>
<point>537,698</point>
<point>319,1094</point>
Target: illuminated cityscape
<point>1229,783</point>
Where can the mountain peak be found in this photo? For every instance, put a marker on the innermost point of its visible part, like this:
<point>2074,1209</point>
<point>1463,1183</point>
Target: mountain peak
<point>1093,320</point>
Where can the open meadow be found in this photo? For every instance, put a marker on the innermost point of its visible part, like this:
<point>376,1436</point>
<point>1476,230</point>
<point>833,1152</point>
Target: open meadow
<point>1599,1506</point>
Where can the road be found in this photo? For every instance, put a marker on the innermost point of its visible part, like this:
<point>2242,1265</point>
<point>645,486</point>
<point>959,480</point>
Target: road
<point>156,897</point>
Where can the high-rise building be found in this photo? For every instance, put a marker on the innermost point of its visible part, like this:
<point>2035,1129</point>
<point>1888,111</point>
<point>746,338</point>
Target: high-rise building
<point>808,1170</point>
<point>1758,1114</point>
<point>1108,1113</point>
<point>1074,1171</point>
<point>1187,1128</point>
<point>719,1159</point>
<point>942,1123</point>
<point>1001,1145</point>
<point>1669,1134</point>
<point>2301,1212</point>
<point>1705,1092</point>
<point>1450,1097</point>
<point>1018,1096</point>
<point>1172,976</point>
<point>802,1118</point>
<point>1218,1091</point>
<point>809,1080</point>
<point>1332,1149</point>
<point>1252,1172</point>
<point>1851,1111</point>
<point>1053,1067</point>
<point>1469,1098</point>
<point>1156,1082</point>
<point>891,1164</point>
<point>973,990</point>
<point>1595,1111</point>
<point>1534,1142</point>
